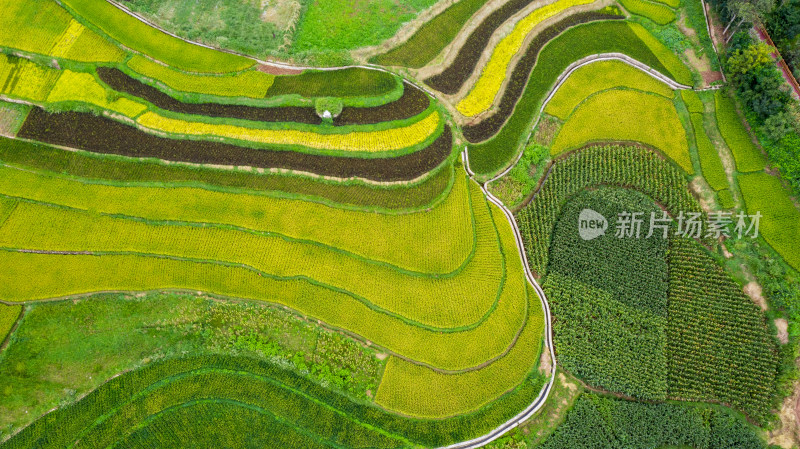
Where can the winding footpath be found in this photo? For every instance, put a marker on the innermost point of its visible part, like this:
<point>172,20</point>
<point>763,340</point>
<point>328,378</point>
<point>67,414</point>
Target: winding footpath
<point>530,410</point>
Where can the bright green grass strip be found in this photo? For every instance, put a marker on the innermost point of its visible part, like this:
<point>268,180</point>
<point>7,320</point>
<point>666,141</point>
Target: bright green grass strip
<point>747,156</point>
<point>626,115</point>
<point>32,25</point>
<point>656,12</point>
<point>432,37</point>
<point>145,39</point>
<point>725,198</point>
<point>348,24</point>
<point>8,316</point>
<point>713,170</point>
<point>575,43</point>
<point>291,217</point>
<point>252,83</point>
<point>692,100</point>
<point>780,222</point>
<point>597,77</point>
<point>667,57</point>
<point>414,390</point>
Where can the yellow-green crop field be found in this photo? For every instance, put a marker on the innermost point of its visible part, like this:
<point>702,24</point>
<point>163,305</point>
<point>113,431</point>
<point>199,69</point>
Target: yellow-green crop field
<point>599,76</point>
<point>626,115</point>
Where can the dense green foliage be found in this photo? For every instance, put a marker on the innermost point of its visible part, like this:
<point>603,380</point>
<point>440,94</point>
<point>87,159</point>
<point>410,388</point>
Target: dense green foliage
<point>718,344</point>
<point>600,422</point>
<point>432,37</point>
<point>612,165</point>
<point>606,342</point>
<point>631,269</point>
<point>128,400</point>
<point>574,44</point>
<point>349,24</point>
<point>609,296</point>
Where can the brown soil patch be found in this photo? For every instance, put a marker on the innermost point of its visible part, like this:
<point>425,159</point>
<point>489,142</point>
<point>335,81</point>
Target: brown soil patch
<point>275,70</point>
<point>725,251</point>
<point>711,76</point>
<point>787,432</point>
<point>753,290</point>
<point>546,130</point>
<point>703,193</point>
<point>783,330</point>
<point>381,355</point>
<point>545,362</point>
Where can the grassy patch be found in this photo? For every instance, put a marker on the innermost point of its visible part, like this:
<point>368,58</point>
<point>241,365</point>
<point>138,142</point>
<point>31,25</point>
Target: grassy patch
<point>656,12</point>
<point>625,115</point>
<point>431,38</point>
<point>725,198</point>
<point>144,39</point>
<point>713,170</point>
<point>747,156</point>
<point>349,24</point>
<point>764,194</point>
<point>597,77</point>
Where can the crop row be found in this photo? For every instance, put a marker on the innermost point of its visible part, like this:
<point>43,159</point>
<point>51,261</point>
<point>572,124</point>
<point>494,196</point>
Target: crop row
<point>352,424</point>
<point>487,87</point>
<point>605,342</point>
<point>458,299</point>
<point>606,423</point>
<point>627,115</point>
<point>718,344</point>
<point>44,27</point>
<point>602,37</point>
<point>41,157</point>
<point>456,74</point>
<point>102,135</point>
<point>490,125</point>
<point>747,156</point>
<point>713,170</point>
<point>432,37</point>
<point>265,213</point>
<point>412,102</point>
<point>597,77</point>
<point>196,262</point>
<point>656,12</point>
<point>599,165</point>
